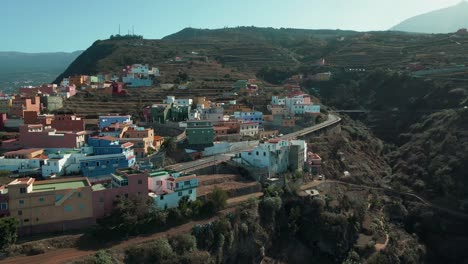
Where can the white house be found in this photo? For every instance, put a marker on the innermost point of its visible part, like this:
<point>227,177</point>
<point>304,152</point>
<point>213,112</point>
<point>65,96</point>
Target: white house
<point>275,155</point>
<point>249,129</point>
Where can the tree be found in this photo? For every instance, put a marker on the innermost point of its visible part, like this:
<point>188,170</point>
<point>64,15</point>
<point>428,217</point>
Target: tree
<point>169,145</point>
<point>183,243</point>
<point>218,198</point>
<point>129,216</point>
<point>8,231</point>
<point>103,257</point>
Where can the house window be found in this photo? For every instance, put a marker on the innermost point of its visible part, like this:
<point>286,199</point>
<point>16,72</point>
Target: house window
<point>190,191</point>
<point>159,183</point>
<point>20,212</point>
<point>3,206</point>
<point>98,164</point>
<point>41,199</point>
<point>140,182</point>
<point>58,197</point>
<point>68,208</point>
<point>79,194</point>
<point>161,197</point>
<point>22,190</point>
<point>264,154</point>
<point>186,182</point>
<point>21,202</point>
<point>81,206</point>
<point>180,194</point>
<point>257,153</point>
<point>26,220</point>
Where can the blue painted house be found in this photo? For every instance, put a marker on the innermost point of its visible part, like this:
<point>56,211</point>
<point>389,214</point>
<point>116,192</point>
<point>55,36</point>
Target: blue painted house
<point>109,155</point>
<point>254,116</point>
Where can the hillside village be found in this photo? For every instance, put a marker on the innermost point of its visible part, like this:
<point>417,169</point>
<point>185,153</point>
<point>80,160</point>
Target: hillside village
<point>179,126</point>
<point>68,156</point>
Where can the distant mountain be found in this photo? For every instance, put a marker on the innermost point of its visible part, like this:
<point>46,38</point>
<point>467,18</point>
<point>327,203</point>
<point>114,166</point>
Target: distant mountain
<point>18,68</point>
<point>445,20</point>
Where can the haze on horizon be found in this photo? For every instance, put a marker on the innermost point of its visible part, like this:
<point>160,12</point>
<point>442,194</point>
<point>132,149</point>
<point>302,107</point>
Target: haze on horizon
<point>57,25</point>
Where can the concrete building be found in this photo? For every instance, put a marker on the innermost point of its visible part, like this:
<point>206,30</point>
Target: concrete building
<point>278,156</point>
<point>21,104</point>
<point>106,121</point>
<point>125,182</point>
<point>109,155</point>
<point>5,104</point>
<point>253,116</point>
<point>52,102</point>
<point>159,113</point>
<point>38,136</point>
<point>199,132</point>
<point>4,210</point>
<point>24,161</point>
<point>249,129</point>
<point>298,104</point>
<point>142,139</point>
<point>68,123</point>
<point>52,205</point>
<point>168,188</point>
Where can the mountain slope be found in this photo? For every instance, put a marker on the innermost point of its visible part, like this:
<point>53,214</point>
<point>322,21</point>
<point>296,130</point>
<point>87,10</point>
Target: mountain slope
<point>445,20</point>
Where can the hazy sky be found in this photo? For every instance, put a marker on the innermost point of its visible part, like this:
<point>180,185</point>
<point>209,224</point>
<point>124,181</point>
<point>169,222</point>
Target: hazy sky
<point>68,25</point>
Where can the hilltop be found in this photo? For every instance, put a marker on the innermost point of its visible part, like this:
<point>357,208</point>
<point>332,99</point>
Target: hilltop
<point>247,50</point>
<point>446,20</point>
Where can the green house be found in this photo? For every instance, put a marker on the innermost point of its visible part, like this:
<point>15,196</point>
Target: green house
<point>199,132</point>
<point>160,113</point>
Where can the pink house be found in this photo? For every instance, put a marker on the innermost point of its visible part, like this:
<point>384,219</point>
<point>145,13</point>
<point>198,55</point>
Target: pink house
<point>124,183</point>
<point>38,136</point>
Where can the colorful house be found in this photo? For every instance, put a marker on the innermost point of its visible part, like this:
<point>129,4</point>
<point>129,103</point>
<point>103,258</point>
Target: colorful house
<point>253,116</point>
<point>109,155</point>
<point>39,136</point>
<point>106,121</point>
<point>277,156</point>
<point>52,205</point>
<point>24,161</point>
<point>142,139</point>
<point>160,113</point>
<point>22,104</point>
<point>68,123</point>
<point>199,132</point>
<point>168,188</point>
<point>125,182</point>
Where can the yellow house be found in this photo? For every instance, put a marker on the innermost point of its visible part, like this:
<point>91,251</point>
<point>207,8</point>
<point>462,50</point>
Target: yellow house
<point>52,205</point>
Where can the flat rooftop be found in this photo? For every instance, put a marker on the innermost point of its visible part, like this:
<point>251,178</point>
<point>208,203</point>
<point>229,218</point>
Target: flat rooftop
<point>98,187</point>
<point>53,186</point>
<point>158,173</point>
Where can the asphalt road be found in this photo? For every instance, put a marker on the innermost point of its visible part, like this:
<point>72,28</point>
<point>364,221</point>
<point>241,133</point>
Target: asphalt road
<point>208,161</point>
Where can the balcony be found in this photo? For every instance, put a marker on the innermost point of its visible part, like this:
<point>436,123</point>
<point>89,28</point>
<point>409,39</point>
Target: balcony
<point>180,186</point>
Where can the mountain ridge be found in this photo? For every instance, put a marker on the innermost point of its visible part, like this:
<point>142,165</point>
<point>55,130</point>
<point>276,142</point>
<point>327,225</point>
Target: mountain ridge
<point>445,20</point>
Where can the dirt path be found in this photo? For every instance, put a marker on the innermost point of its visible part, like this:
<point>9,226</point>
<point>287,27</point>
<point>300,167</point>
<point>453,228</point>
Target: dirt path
<point>66,255</point>
<point>380,246</point>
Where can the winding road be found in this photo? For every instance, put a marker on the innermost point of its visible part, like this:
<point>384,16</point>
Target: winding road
<point>213,160</point>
